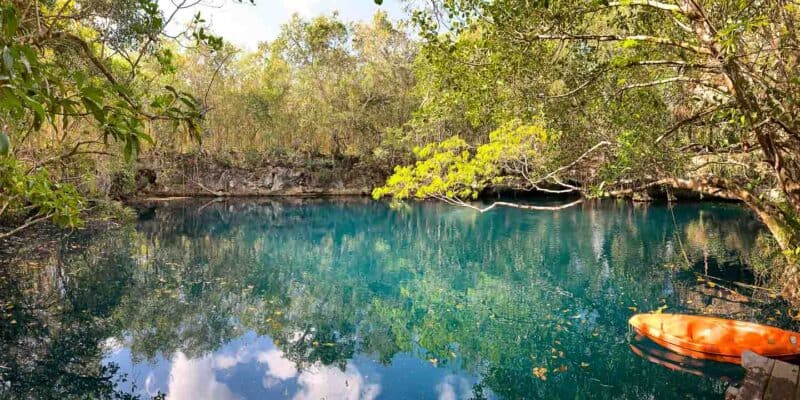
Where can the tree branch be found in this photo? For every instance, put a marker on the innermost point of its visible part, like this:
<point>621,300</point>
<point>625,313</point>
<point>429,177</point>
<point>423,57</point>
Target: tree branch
<point>676,63</point>
<point>25,225</point>
<point>482,210</point>
<point>661,82</point>
<point>711,186</point>
<point>577,89</point>
<point>576,161</point>
<point>68,154</point>
<point>619,38</point>
<point>689,120</point>
<point>648,3</point>
<point>87,50</point>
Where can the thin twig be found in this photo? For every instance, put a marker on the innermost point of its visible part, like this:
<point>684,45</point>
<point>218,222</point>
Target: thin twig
<point>25,225</point>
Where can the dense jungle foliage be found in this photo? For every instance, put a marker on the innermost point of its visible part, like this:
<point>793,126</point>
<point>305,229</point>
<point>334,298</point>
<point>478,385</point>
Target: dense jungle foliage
<point>591,97</point>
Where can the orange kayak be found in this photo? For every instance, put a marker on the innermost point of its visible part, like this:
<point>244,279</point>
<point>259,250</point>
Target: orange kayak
<point>716,338</point>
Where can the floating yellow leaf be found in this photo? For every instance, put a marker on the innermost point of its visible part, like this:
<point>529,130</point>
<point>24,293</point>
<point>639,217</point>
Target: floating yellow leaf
<point>584,365</point>
<point>634,309</point>
<point>540,373</point>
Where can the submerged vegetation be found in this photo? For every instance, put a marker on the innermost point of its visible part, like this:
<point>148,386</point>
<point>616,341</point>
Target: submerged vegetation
<point>594,98</point>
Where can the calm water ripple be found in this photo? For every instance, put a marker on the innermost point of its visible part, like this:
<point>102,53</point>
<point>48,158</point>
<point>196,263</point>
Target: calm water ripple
<point>353,299</point>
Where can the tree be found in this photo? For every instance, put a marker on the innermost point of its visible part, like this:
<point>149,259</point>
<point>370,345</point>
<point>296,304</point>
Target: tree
<point>691,95</point>
<point>74,78</point>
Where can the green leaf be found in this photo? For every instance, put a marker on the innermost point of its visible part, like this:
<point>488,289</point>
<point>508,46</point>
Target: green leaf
<point>4,144</point>
<point>93,93</point>
<point>95,109</point>
<point>10,22</point>
<point>145,137</point>
<point>128,151</point>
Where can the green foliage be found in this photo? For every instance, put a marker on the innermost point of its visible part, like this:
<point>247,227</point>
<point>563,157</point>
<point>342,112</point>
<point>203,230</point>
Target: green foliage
<point>322,87</point>
<point>454,169</point>
<point>36,190</point>
<point>40,85</point>
<point>69,81</point>
<point>4,144</point>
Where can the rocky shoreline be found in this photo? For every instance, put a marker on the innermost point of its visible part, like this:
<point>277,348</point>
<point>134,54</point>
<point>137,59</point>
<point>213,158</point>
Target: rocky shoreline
<point>202,176</point>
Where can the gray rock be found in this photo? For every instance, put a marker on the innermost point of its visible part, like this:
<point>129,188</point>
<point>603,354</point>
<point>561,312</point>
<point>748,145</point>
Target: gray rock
<point>278,182</point>
<point>266,182</point>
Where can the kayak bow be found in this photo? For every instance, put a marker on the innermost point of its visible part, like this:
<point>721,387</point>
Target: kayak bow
<point>716,338</point>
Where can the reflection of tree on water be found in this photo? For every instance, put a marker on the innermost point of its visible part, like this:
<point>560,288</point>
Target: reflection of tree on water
<point>497,294</point>
<point>54,317</point>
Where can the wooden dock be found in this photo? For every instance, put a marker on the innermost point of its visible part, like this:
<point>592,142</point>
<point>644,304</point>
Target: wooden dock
<point>766,379</point>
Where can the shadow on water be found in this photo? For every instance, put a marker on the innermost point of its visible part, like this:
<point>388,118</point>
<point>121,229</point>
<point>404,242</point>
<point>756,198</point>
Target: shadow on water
<point>351,298</point>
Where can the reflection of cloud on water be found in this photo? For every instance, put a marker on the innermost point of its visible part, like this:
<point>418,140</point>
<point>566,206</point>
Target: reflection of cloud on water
<point>243,354</point>
<point>195,380</point>
<point>327,382</point>
<point>112,345</point>
<point>191,379</point>
<point>150,384</point>
<point>278,368</point>
<point>251,367</point>
<point>317,382</point>
<point>454,387</point>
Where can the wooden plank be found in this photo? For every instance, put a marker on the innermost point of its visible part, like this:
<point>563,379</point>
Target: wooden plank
<point>797,389</point>
<point>782,382</point>
<point>758,372</point>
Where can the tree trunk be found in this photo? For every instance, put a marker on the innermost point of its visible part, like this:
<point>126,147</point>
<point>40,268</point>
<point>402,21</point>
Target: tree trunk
<point>785,167</point>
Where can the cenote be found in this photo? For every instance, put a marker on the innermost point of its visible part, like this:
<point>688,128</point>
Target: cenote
<point>355,299</point>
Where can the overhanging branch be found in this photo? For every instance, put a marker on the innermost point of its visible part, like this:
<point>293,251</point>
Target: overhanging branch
<point>692,119</point>
<point>620,38</point>
<point>482,210</point>
<point>648,3</point>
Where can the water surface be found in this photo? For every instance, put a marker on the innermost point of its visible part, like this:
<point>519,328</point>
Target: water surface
<point>353,299</point>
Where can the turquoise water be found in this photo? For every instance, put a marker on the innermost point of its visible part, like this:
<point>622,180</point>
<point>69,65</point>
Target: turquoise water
<point>353,299</point>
